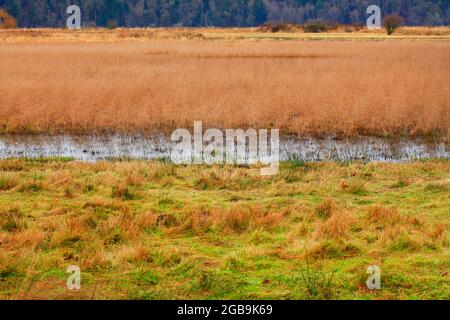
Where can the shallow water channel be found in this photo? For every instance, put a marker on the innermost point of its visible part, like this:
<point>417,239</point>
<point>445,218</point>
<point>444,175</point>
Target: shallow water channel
<point>98,147</point>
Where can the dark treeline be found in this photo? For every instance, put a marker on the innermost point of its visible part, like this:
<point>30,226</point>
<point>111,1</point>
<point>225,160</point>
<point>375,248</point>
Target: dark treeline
<point>220,13</point>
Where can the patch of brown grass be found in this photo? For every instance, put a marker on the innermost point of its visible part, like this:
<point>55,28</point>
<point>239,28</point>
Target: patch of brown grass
<point>384,216</point>
<point>28,238</point>
<point>12,165</point>
<point>12,220</point>
<point>241,219</point>
<point>122,191</point>
<point>438,234</point>
<point>326,208</point>
<point>8,181</point>
<point>338,226</point>
<point>237,219</point>
<point>396,88</point>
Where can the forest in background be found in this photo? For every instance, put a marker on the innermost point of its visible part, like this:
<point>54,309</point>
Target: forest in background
<point>220,13</point>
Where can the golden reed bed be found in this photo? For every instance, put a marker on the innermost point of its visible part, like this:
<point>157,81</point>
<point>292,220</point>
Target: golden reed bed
<point>346,88</point>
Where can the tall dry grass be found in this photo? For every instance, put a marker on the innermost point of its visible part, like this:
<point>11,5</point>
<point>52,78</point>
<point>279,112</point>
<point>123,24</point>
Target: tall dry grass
<point>346,88</point>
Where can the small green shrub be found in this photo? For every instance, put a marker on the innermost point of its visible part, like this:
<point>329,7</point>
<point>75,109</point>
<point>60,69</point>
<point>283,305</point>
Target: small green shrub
<point>318,284</point>
<point>278,27</point>
<point>315,26</point>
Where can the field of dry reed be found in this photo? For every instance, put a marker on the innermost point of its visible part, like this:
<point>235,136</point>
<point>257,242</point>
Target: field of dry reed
<point>387,88</point>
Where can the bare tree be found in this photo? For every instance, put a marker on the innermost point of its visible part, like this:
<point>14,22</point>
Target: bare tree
<point>6,20</point>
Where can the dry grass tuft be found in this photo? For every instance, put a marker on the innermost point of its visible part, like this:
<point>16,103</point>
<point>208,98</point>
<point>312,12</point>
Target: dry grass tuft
<point>438,234</point>
<point>338,226</point>
<point>12,220</point>
<point>8,181</point>
<point>326,208</point>
<point>13,165</point>
<point>241,219</point>
<point>357,187</point>
<point>122,191</point>
<point>383,216</point>
<point>237,219</point>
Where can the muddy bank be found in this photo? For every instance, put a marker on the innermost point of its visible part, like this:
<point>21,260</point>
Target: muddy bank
<point>96,147</point>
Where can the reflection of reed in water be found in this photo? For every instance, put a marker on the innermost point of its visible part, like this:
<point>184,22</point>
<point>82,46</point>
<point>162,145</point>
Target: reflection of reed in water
<point>90,148</point>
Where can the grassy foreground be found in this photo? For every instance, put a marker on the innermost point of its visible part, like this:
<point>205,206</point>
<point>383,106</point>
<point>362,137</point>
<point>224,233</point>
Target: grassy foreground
<point>153,230</point>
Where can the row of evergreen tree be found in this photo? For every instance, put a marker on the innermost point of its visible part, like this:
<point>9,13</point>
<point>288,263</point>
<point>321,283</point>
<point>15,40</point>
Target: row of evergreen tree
<point>220,13</point>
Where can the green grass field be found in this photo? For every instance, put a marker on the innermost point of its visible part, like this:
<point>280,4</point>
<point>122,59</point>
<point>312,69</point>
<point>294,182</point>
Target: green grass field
<point>153,230</point>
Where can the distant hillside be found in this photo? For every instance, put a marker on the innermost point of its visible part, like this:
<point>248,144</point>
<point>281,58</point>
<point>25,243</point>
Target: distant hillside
<point>221,13</point>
